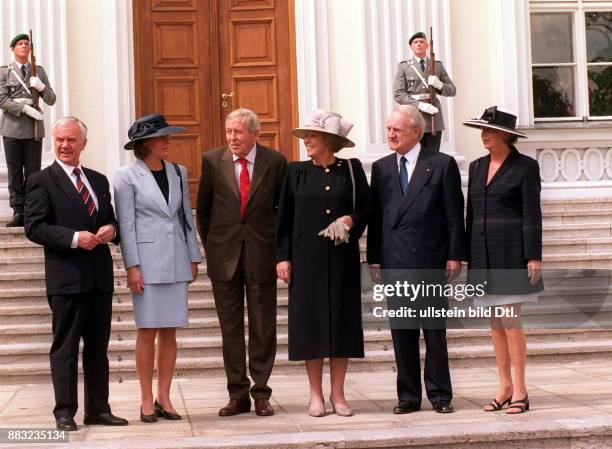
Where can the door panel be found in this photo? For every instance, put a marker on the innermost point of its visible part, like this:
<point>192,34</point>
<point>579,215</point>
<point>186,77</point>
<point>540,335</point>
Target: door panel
<point>189,52</point>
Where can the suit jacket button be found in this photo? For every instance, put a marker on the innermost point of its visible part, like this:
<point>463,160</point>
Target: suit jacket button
<point>414,250</point>
<point>327,188</point>
<point>327,211</point>
<point>327,170</point>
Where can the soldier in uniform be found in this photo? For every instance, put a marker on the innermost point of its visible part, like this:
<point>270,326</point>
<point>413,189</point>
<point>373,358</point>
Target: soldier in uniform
<point>21,149</point>
<point>411,86</point>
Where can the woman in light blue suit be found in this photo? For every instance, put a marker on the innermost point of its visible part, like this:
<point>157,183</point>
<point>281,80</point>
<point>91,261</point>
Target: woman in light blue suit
<point>160,253</point>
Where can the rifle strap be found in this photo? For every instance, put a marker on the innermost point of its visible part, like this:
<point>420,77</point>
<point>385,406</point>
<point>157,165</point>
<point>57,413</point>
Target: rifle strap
<point>418,73</point>
<point>27,89</point>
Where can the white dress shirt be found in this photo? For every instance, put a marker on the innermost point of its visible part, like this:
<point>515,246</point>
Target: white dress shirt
<point>250,164</point>
<point>69,169</point>
<point>411,159</point>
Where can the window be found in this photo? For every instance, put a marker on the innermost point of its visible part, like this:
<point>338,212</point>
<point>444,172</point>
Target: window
<point>571,61</point>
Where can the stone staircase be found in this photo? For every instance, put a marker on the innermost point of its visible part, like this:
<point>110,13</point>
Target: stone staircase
<point>577,234</point>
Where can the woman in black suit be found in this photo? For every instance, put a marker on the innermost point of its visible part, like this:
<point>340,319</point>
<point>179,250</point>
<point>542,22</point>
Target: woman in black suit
<point>504,229</point>
<point>323,211</point>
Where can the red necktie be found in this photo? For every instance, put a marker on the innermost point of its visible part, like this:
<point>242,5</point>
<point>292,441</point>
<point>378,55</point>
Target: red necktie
<point>245,185</point>
<point>84,193</point>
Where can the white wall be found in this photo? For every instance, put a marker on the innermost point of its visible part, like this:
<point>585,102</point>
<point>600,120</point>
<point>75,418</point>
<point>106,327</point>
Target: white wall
<point>347,61</point>
<point>84,29</point>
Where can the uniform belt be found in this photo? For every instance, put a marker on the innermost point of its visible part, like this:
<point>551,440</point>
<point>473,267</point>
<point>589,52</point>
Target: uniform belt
<point>420,96</point>
<point>23,100</point>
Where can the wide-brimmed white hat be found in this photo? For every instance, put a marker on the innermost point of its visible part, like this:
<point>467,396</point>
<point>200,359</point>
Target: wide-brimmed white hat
<point>496,118</point>
<point>327,122</point>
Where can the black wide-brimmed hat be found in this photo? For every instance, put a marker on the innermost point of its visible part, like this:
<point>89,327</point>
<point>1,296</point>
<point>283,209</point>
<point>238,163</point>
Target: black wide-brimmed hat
<point>149,126</point>
<point>496,118</point>
<point>18,38</point>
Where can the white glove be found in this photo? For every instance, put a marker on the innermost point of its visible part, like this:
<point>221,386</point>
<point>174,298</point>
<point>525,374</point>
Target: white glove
<point>427,108</point>
<point>434,81</point>
<point>37,84</point>
<point>29,110</point>
<point>336,231</point>
<point>341,232</point>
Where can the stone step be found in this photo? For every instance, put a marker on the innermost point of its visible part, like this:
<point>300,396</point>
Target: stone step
<point>562,231</point>
<point>205,346</point>
<point>576,245</point>
<point>573,216</point>
<point>601,260</point>
<point>471,356</point>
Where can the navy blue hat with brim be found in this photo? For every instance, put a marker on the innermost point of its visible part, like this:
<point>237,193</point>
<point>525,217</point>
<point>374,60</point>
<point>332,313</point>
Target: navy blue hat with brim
<point>18,38</point>
<point>149,126</point>
<point>418,35</point>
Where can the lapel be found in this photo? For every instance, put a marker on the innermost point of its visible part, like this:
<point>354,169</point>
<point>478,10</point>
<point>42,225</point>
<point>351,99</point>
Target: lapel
<point>479,182</point>
<point>98,190</point>
<point>227,167</point>
<point>150,185</point>
<point>420,176</point>
<point>390,178</point>
<point>65,184</point>
<point>505,166</point>
<point>260,169</point>
<point>174,188</point>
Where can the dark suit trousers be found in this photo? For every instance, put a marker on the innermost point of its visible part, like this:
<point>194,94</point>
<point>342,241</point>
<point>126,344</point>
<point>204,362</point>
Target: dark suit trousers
<point>407,357</point>
<point>261,306</point>
<point>22,159</point>
<point>432,142</point>
<point>86,315</point>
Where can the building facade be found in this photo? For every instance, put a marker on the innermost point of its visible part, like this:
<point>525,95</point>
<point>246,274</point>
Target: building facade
<point>111,60</point>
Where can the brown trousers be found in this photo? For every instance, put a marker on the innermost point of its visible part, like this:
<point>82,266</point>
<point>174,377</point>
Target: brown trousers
<point>261,307</point>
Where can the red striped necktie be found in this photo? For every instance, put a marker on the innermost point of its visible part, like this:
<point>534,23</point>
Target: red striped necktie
<point>85,194</point>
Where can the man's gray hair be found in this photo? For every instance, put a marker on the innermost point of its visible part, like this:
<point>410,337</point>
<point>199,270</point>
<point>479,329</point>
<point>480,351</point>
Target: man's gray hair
<point>414,116</point>
<point>248,116</point>
<point>71,119</point>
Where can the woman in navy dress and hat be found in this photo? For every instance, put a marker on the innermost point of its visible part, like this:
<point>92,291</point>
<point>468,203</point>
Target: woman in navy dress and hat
<point>323,211</point>
<point>504,230</point>
<point>160,253</point>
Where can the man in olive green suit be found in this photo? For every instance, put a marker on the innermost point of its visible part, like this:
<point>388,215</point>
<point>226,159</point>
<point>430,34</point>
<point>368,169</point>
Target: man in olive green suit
<point>23,150</point>
<point>238,196</point>
<point>412,84</point>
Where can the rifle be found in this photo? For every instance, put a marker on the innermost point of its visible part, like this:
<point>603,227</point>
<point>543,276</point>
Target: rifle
<point>35,94</point>
<point>432,71</point>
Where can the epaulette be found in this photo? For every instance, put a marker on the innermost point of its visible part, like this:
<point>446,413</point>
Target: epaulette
<point>3,66</point>
<point>401,62</point>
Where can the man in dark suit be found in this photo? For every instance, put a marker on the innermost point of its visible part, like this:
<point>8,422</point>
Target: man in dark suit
<point>417,225</point>
<point>68,211</point>
<point>238,196</point>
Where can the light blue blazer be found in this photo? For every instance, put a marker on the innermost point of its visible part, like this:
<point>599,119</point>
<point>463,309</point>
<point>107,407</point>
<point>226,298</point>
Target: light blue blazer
<point>151,234</point>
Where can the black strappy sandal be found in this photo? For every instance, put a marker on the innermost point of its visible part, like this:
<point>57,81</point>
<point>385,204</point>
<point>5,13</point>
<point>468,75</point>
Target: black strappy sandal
<point>496,405</point>
<point>522,405</point>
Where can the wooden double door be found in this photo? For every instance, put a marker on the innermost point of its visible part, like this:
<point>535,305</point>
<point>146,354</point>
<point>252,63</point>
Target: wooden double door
<point>197,60</point>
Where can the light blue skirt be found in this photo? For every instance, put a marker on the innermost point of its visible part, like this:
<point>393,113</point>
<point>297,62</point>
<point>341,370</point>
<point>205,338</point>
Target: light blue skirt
<point>161,305</point>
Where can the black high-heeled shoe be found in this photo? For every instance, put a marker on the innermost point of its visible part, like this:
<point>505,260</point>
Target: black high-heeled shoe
<point>522,405</point>
<point>496,405</point>
<point>161,413</point>
<point>148,418</point>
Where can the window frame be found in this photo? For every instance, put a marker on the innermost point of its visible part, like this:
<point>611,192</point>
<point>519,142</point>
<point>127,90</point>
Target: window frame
<point>577,10</point>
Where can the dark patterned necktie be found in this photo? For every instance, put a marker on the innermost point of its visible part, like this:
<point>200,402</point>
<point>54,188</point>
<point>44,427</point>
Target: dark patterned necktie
<point>84,193</point>
<point>403,173</point>
<point>422,65</point>
<point>23,71</point>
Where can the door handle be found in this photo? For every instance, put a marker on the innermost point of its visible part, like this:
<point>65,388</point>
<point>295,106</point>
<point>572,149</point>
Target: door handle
<point>226,98</point>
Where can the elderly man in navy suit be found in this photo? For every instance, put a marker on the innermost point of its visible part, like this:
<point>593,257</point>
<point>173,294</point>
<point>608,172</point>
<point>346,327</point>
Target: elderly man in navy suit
<point>68,211</point>
<point>417,225</point>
